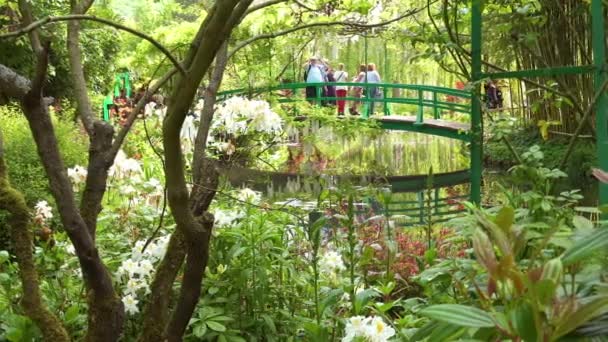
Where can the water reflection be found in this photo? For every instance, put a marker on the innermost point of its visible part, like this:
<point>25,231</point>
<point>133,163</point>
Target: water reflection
<point>319,150</point>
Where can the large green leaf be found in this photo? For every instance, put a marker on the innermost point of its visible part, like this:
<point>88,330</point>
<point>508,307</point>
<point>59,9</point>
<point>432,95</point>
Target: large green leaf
<point>461,315</point>
<point>522,318</point>
<point>585,247</point>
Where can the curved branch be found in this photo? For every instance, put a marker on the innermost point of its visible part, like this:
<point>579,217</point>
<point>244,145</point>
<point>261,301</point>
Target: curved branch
<point>246,42</point>
<point>263,5</point>
<point>48,20</point>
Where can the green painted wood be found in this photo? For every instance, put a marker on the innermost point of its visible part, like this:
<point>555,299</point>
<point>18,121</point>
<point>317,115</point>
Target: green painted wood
<point>601,74</point>
<point>546,72</point>
<point>420,114</point>
<point>476,117</point>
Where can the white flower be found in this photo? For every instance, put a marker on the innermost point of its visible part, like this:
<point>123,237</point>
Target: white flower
<point>124,166</point>
<point>134,285</point>
<point>44,212</point>
<point>239,115</point>
<point>77,174</point>
<point>199,105</point>
<point>355,327</point>
<point>378,331</point>
<point>130,304</point>
<point>371,329</point>
<point>149,108</point>
<point>131,165</point>
<point>127,190</point>
<point>249,196</point>
<point>331,262</point>
<point>129,267</point>
<point>145,268</point>
<point>189,129</point>
<point>70,249</point>
<point>225,218</point>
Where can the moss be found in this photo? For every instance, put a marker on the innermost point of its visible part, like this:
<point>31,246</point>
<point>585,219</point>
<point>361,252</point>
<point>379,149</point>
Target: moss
<point>22,242</point>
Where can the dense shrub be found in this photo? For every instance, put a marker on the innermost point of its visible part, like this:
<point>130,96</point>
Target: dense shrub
<point>24,167</point>
<point>579,164</point>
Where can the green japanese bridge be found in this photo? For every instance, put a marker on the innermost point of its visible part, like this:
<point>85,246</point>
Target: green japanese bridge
<point>458,114</point>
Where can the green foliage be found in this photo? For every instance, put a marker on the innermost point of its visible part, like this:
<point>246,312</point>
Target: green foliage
<point>25,170</point>
<point>579,165</point>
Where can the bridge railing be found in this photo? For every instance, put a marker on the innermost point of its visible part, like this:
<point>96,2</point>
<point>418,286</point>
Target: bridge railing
<point>436,99</point>
<point>419,212</point>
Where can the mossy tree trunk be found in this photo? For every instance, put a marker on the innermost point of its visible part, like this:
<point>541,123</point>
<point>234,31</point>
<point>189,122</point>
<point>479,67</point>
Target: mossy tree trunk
<point>21,234</point>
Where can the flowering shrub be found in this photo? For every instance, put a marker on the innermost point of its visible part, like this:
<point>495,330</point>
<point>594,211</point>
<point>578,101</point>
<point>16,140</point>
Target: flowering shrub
<point>137,272</point>
<point>240,116</point>
<point>369,329</point>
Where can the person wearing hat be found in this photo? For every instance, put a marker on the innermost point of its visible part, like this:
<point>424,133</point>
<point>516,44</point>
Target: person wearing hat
<point>314,73</point>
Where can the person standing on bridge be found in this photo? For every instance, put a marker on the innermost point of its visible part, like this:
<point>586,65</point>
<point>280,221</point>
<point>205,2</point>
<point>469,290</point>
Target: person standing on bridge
<point>372,76</point>
<point>358,91</point>
<point>341,90</point>
<point>314,73</point>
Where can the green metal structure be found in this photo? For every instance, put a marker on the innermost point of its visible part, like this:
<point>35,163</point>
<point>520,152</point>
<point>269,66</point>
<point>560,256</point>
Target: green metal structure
<point>431,105</point>
<point>599,69</point>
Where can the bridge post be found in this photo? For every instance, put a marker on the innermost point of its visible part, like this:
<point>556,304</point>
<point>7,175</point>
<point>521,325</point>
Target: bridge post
<point>476,115</point>
<point>420,115</point>
<point>601,75</point>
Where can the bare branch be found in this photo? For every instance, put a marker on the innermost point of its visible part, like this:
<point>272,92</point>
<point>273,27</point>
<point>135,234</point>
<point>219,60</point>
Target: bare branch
<point>85,110</point>
<point>48,20</point>
<point>264,5</point>
<point>246,42</point>
<point>304,6</point>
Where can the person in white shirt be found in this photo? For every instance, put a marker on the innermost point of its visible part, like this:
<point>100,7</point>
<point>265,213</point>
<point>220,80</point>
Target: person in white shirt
<point>314,72</point>
<point>373,92</point>
<point>341,76</point>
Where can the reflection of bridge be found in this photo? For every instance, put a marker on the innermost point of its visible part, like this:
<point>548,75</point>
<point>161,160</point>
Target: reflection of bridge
<point>414,212</point>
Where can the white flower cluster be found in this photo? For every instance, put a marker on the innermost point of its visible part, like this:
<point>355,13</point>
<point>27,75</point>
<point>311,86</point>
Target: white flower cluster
<point>249,196</point>
<point>239,115</point>
<point>44,212</point>
<point>124,167</point>
<point>372,329</point>
<point>331,263</point>
<point>77,175</point>
<point>226,218</point>
<point>139,270</point>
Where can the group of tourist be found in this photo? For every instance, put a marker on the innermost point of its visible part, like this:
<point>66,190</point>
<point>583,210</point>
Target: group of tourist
<point>318,71</point>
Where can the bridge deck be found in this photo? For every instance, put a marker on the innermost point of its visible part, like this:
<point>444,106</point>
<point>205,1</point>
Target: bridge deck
<point>445,128</point>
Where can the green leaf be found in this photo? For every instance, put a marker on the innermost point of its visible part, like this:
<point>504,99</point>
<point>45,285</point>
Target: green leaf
<point>199,330</point>
<point>585,247</point>
<point>215,326</point>
<point>504,218</point>
<point>3,256</point>
<point>523,321</point>
<point>269,323</point>
<point>460,315</point>
<point>595,306</point>
<point>71,313</point>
